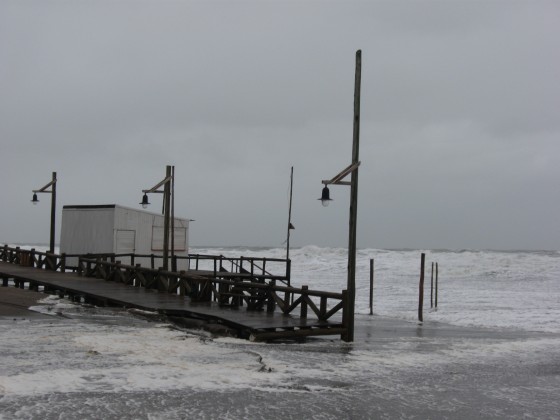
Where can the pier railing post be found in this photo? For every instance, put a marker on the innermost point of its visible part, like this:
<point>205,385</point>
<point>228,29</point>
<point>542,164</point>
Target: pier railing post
<point>303,307</point>
<point>271,303</point>
<point>345,313</point>
<point>98,268</point>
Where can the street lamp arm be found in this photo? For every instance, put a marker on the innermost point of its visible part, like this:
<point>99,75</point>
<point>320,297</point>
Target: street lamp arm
<point>44,189</point>
<point>337,179</point>
<point>154,188</point>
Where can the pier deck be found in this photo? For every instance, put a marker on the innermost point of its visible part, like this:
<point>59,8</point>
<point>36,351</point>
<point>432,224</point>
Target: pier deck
<point>253,324</point>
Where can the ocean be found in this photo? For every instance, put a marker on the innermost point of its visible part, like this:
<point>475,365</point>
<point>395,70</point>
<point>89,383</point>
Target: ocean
<point>507,289</point>
<point>490,350</point>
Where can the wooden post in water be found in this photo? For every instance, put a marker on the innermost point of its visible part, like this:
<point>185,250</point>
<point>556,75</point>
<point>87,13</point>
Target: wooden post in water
<point>432,287</point>
<point>371,286</point>
<point>436,283</point>
<point>421,291</point>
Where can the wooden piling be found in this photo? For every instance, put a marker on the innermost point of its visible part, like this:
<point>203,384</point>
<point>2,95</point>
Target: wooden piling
<point>436,283</point>
<point>371,262</point>
<point>421,289</point>
<point>432,288</point>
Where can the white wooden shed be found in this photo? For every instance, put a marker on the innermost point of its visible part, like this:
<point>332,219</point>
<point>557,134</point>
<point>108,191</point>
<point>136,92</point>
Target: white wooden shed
<point>110,228</point>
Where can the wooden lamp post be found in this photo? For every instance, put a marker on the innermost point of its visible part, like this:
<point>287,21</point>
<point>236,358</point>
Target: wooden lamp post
<point>168,185</point>
<point>35,200</point>
<point>353,183</point>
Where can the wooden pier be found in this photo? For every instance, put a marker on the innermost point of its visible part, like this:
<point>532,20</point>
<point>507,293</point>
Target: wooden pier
<point>248,302</point>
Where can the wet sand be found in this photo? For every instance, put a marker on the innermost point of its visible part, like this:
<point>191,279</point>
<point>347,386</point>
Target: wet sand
<point>16,302</point>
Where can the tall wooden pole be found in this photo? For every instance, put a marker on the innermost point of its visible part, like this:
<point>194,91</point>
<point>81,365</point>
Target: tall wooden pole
<point>173,216</point>
<point>53,212</point>
<point>289,215</point>
<point>351,283</point>
<point>166,211</point>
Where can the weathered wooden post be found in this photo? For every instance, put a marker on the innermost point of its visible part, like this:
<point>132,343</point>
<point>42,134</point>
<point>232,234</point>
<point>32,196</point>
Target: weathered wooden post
<point>351,170</point>
<point>290,226</point>
<point>98,268</point>
<point>436,283</point>
<point>53,212</point>
<point>371,286</point>
<point>344,314</point>
<point>421,291</point>
<point>303,307</point>
<point>182,283</point>
<point>432,287</point>
<point>270,302</point>
<point>137,275</point>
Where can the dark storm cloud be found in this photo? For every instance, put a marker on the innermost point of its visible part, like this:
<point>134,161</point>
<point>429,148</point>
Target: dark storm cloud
<point>460,106</point>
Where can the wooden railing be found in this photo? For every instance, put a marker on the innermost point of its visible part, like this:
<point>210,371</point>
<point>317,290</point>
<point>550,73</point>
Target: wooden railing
<point>33,258</point>
<point>256,288</point>
<point>227,292</point>
<point>257,268</point>
<point>253,266</point>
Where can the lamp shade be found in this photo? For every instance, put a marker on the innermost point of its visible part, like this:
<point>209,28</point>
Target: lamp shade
<point>35,200</point>
<point>145,203</point>
<point>325,196</point>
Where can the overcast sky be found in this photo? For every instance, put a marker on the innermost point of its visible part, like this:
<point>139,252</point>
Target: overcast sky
<point>460,122</point>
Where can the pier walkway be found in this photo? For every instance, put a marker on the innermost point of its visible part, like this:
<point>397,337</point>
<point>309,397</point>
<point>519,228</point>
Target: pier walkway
<point>258,311</point>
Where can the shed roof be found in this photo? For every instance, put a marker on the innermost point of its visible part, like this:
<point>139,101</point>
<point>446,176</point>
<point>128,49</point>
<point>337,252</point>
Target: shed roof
<point>113,206</point>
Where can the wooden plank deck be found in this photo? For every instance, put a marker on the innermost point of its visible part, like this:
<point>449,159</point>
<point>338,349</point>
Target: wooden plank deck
<point>257,325</point>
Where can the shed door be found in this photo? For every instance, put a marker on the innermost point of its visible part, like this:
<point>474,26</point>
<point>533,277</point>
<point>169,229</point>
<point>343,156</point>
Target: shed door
<point>125,241</point>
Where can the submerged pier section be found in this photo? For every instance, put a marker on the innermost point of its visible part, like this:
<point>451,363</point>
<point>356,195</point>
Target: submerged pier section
<point>238,293</point>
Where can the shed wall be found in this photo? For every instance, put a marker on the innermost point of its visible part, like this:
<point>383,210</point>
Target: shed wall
<point>149,231</point>
<point>86,231</point>
<point>119,230</point>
